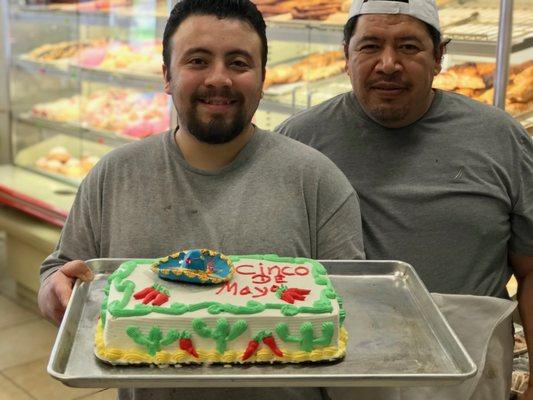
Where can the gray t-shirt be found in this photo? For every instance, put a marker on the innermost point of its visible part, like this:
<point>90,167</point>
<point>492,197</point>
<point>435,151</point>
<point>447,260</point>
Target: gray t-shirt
<point>278,196</point>
<point>451,194</point>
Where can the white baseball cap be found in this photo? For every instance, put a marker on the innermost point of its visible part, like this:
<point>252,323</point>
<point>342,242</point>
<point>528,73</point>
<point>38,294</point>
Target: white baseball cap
<point>424,10</point>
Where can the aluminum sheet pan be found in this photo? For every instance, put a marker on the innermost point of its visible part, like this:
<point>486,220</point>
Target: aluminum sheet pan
<point>397,337</point>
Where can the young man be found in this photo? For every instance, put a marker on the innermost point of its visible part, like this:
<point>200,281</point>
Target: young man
<point>216,182</point>
<point>444,181</point>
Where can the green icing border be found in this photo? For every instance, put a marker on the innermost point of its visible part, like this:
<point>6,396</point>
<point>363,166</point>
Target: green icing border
<point>119,280</point>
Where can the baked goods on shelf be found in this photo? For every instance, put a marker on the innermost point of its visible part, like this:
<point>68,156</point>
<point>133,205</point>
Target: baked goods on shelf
<point>61,110</point>
<point>521,88</point>
<point>138,58</point>
<point>89,5</point>
<point>122,111</point>
<point>299,9</point>
<point>519,381</point>
<point>316,9</point>
<point>59,160</point>
<point>62,50</point>
<point>270,7</point>
<point>141,58</point>
<point>311,68</point>
<point>199,306</point>
<point>476,80</point>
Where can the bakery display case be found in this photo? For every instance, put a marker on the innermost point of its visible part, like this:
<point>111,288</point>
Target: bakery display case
<point>487,54</point>
<point>85,77</point>
<point>484,66</point>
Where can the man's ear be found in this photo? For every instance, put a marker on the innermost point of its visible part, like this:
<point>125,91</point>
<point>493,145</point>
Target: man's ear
<point>166,76</point>
<point>345,47</point>
<point>440,55</point>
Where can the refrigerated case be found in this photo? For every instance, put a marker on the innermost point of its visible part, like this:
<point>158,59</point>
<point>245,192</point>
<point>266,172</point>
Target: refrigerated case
<point>84,78</point>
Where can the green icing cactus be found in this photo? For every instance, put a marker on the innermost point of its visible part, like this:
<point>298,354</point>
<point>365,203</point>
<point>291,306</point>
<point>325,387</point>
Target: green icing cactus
<point>154,340</point>
<point>307,339</point>
<point>222,333</point>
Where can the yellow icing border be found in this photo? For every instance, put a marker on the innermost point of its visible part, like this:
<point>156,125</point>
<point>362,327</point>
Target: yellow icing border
<point>117,356</point>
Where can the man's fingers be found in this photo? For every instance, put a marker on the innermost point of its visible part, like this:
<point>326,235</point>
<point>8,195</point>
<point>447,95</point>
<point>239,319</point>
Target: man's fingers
<point>57,313</point>
<point>77,269</point>
<point>55,292</point>
<point>63,290</point>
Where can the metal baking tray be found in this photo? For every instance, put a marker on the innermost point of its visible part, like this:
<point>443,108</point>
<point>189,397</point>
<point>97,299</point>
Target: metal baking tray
<point>397,337</point>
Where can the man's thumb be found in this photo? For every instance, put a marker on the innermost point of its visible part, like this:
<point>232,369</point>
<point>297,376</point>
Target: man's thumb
<point>77,269</point>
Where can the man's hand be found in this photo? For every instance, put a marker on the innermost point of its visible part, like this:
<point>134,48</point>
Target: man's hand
<point>523,271</point>
<point>56,290</point>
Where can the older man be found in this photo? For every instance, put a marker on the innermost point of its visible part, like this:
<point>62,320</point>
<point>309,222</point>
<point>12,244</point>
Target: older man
<point>445,182</point>
<point>216,182</point>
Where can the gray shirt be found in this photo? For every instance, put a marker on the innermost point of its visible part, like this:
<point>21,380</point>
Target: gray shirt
<point>450,194</point>
<point>278,196</point>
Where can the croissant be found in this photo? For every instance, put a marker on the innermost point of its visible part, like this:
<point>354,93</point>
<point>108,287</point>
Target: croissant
<point>521,89</point>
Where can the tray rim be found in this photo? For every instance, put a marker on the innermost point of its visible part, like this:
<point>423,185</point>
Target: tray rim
<point>340,380</point>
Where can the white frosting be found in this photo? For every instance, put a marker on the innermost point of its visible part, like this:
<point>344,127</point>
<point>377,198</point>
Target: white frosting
<point>257,276</point>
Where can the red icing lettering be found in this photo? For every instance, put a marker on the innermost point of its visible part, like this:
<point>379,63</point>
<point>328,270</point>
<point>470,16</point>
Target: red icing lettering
<point>260,279</point>
<point>263,291</point>
<point>229,288</point>
<point>245,291</point>
<point>273,288</point>
<point>261,275</point>
<point>301,271</point>
<point>284,271</point>
<point>245,269</point>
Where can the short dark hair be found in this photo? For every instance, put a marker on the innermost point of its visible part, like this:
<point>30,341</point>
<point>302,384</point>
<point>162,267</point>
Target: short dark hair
<point>243,10</point>
<point>350,25</point>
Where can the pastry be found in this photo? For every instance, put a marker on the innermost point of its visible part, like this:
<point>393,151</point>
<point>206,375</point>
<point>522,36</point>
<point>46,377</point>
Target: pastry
<point>59,153</point>
<point>521,89</point>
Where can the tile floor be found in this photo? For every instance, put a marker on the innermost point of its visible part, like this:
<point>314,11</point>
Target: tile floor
<point>26,340</point>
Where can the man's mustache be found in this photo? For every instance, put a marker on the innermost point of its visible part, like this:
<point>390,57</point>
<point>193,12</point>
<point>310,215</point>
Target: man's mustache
<point>216,93</point>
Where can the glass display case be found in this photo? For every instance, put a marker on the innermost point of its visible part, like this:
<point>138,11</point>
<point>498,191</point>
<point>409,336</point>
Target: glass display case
<point>85,77</point>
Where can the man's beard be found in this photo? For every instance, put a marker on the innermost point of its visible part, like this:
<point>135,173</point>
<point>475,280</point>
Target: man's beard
<point>384,112</point>
<point>219,129</point>
<point>387,115</point>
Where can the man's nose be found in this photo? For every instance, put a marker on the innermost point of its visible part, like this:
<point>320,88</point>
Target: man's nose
<point>389,61</point>
<point>218,75</point>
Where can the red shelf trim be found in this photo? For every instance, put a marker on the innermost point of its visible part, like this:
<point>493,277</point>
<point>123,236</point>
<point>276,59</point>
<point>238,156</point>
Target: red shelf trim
<point>32,206</point>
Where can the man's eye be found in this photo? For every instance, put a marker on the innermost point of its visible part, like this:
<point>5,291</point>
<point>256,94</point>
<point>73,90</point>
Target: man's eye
<point>367,48</point>
<point>409,48</point>
<point>240,64</point>
<point>197,61</point>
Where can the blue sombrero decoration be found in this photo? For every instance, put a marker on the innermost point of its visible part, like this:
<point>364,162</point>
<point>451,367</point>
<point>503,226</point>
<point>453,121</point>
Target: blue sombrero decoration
<point>195,266</point>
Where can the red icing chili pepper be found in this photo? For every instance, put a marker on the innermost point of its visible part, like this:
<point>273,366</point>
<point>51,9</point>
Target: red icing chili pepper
<point>250,350</point>
<point>155,294</point>
<point>161,298</point>
<point>271,343</point>
<point>150,296</point>
<point>186,344</point>
<point>291,294</point>
<point>142,293</point>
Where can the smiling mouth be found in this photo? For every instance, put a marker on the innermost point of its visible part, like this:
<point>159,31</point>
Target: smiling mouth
<point>218,102</point>
<point>388,87</point>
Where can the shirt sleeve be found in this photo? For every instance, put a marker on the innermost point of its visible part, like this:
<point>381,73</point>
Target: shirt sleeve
<point>338,214</point>
<point>340,237</point>
<point>521,242</point>
<point>79,237</point>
